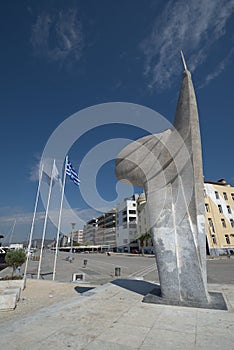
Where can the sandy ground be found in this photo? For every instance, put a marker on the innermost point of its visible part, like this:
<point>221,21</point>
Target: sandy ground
<point>39,294</point>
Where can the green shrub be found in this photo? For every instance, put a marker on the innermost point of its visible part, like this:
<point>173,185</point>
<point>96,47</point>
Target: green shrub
<point>15,259</point>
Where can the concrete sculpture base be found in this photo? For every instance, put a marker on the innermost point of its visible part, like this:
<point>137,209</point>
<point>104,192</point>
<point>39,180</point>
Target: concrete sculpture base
<point>216,302</point>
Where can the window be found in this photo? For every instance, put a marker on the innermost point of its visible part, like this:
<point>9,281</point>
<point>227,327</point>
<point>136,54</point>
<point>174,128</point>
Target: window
<point>133,204</point>
<point>225,196</point>
<point>217,195</point>
<point>214,239</point>
<point>227,239</point>
<point>207,207</point>
<point>223,223</point>
<point>132,218</point>
<point>211,224</point>
<point>232,195</point>
<point>229,209</point>
<point>132,211</point>
<point>220,208</point>
<point>232,222</point>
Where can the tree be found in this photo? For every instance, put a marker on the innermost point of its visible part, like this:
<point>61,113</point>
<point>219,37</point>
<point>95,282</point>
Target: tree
<point>15,258</point>
<point>144,237</point>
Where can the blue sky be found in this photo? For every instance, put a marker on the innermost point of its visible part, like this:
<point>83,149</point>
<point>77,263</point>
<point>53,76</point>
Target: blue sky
<point>59,57</point>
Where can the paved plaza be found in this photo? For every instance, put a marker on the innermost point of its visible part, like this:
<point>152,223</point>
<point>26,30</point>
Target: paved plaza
<point>100,268</point>
<point>58,315</point>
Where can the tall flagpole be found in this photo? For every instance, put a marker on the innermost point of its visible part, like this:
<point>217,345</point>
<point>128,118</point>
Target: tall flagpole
<point>60,217</point>
<point>12,231</point>
<point>45,222</point>
<point>33,222</point>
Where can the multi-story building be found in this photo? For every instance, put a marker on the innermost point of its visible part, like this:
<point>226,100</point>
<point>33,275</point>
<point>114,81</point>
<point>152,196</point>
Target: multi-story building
<point>126,238</point>
<point>101,230</point>
<point>116,229</point>
<point>219,204</point>
<point>75,236</point>
<point>106,229</point>
<point>120,228</point>
<point>78,236</point>
<point>89,231</point>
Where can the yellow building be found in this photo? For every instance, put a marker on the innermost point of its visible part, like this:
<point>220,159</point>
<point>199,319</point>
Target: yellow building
<point>219,205</point>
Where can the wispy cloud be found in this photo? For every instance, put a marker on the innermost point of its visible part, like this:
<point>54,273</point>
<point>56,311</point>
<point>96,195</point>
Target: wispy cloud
<point>193,26</point>
<point>23,221</point>
<point>58,37</point>
<point>221,66</point>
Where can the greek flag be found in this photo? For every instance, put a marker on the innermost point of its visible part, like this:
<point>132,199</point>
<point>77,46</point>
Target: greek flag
<point>72,174</point>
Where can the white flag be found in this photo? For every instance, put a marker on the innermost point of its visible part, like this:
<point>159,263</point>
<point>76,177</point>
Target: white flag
<point>54,174</point>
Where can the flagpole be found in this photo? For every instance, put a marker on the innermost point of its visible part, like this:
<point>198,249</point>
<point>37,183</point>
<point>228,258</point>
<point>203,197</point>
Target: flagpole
<point>60,217</point>
<point>33,222</point>
<point>45,222</point>
<point>12,231</point>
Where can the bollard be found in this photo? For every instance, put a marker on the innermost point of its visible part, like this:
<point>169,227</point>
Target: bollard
<point>117,271</point>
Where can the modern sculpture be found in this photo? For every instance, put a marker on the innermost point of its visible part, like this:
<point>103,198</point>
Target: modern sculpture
<point>169,168</point>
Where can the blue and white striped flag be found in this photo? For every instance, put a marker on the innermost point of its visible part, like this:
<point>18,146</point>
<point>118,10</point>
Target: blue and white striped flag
<point>72,174</point>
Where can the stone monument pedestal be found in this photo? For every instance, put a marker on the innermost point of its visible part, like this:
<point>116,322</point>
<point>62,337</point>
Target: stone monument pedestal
<point>216,300</point>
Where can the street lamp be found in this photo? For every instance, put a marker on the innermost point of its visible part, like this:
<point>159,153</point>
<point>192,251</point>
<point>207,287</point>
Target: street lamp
<point>70,255</point>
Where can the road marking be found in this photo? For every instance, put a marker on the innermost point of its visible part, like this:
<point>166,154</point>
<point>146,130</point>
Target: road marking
<point>144,271</point>
<point>108,263</point>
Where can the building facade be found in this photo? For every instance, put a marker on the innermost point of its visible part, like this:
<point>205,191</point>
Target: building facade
<point>89,231</point>
<point>219,205</point>
<point>126,228</point>
<point>78,236</point>
<point>120,228</point>
<point>101,230</point>
<point>106,230</point>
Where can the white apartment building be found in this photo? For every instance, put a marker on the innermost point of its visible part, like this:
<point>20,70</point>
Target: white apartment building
<point>126,225</point>
<point>78,236</point>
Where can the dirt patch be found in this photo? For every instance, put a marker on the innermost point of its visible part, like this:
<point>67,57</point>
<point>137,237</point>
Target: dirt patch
<point>39,294</point>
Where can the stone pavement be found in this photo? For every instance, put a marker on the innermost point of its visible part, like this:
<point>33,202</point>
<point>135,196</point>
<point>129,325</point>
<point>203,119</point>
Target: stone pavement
<point>113,316</point>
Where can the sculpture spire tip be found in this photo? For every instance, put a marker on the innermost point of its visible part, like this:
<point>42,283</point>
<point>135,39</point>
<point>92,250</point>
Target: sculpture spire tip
<point>183,60</point>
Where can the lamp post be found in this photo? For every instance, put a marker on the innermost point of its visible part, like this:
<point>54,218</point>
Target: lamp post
<point>70,255</point>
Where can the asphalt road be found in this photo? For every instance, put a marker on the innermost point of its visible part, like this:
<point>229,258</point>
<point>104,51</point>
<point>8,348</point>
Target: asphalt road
<point>101,268</point>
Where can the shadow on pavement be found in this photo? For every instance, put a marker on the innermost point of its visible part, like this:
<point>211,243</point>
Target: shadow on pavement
<point>140,287</point>
<point>80,289</point>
